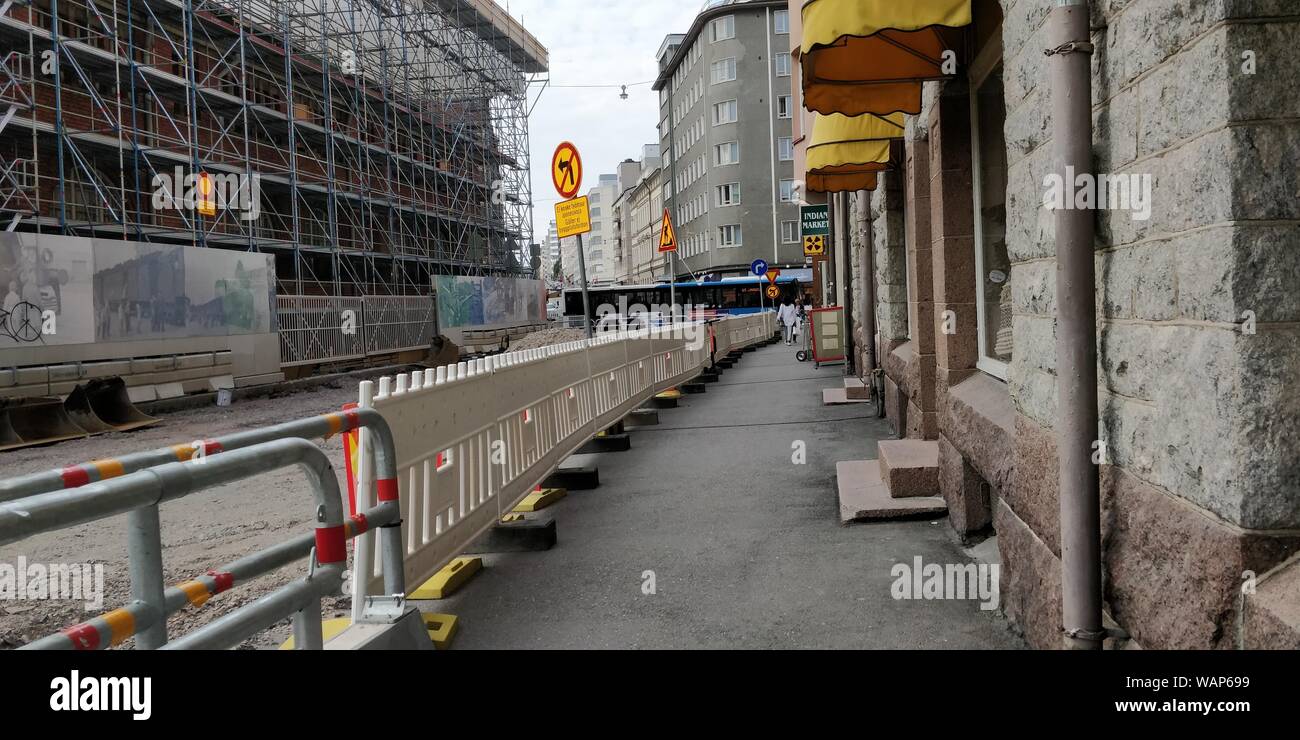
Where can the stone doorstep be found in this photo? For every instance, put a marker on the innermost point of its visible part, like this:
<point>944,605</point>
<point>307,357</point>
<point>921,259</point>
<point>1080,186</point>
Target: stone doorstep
<point>864,498</point>
<point>838,397</point>
<point>910,467</point>
<point>856,390</point>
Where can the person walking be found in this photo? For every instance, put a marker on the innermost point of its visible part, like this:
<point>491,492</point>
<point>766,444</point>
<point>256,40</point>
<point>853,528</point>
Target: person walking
<point>788,318</point>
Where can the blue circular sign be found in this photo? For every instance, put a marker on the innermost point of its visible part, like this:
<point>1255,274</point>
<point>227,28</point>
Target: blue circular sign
<point>759,268</point>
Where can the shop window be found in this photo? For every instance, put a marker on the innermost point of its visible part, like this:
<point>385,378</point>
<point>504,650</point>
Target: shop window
<point>992,265</point>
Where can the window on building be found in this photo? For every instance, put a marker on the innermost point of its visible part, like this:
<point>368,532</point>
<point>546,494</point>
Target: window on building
<point>784,108</point>
<point>787,191</point>
<point>721,29</point>
<point>781,21</point>
<point>595,212</point>
<point>726,153</point>
<point>723,70</point>
<point>728,194</point>
<point>992,265</point>
<point>725,112</point>
<point>783,64</point>
<point>790,232</point>
<point>785,147</point>
<point>729,235</point>
<point>594,197</point>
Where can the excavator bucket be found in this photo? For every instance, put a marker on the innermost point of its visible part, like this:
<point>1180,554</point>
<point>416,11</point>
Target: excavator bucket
<point>78,407</point>
<point>26,422</point>
<point>110,402</point>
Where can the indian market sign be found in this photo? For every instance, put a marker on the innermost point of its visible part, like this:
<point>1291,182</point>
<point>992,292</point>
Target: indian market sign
<point>814,220</point>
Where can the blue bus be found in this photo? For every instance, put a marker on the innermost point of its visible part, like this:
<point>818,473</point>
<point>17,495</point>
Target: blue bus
<point>727,296</point>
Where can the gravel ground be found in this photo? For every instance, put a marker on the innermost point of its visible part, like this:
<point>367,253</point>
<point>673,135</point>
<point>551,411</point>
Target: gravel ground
<point>546,338</point>
<point>204,530</point>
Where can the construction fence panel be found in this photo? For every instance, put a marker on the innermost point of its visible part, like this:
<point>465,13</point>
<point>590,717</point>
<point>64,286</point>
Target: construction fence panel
<point>316,329</point>
<point>399,323</point>
<point>319,328</point>
<point>474,438</point>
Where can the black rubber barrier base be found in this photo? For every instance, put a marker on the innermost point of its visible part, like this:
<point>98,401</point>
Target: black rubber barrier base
<point>607,443</point>
<point>693,388</point>
<point>574,479</point>
<point>642,418</point>
<point>664,403</point>
<point>528,535</point>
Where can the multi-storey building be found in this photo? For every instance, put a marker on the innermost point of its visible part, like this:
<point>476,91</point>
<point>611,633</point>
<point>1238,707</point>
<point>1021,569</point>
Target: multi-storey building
<point>639,212</point>
<point>725,125</point>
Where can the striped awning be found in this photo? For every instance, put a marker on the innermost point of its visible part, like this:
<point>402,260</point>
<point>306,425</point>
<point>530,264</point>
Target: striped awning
<point>845,153</point>
<point>871,56</point>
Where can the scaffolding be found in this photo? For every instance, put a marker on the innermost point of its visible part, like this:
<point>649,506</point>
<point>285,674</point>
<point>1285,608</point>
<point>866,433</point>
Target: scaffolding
<point>387,140</point>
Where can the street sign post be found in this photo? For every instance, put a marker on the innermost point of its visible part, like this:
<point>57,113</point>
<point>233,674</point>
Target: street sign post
<point>566,175</point>
<point>668,247</point>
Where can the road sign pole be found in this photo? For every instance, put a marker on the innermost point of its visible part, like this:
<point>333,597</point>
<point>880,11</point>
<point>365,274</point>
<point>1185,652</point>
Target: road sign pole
<point>586,300</point>
<point>672,287</point>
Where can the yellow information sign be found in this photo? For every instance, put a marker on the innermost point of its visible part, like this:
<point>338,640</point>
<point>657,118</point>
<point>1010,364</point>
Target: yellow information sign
<point>572,217</point>
<point>814,246</point>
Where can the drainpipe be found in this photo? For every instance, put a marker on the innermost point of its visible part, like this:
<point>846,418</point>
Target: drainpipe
<point>1076,333</point>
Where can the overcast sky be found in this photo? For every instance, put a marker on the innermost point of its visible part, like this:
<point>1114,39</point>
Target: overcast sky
<point>608,42</point>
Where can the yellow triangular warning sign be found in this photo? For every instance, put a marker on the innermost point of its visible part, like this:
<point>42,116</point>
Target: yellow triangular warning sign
<point>668,236</point>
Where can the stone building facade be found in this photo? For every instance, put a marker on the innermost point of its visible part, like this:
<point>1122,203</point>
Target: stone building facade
<point>1198,312</point>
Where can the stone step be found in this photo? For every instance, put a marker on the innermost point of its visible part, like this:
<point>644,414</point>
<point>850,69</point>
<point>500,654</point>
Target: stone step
<point>909,467</point>
<point>856,390</point>
<point>864,498</point>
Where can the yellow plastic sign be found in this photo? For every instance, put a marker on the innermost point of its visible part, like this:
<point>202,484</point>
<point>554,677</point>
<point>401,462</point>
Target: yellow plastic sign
<point>668,235</point>
<point>814,246</point>
<point>206,204</point>
<point>572,217</point>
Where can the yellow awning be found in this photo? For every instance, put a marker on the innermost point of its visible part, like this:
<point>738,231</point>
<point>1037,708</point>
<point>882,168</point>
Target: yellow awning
<point>870,56</point>
<point>844,182</point>
<point>860,141</point>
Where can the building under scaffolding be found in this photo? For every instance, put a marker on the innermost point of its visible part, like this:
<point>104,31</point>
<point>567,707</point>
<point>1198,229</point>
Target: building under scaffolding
<point>387,139</point>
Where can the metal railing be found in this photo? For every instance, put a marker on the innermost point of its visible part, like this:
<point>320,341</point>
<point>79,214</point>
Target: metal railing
<point>139,483</point>
<point>317,329</point>
<point>398,323</point>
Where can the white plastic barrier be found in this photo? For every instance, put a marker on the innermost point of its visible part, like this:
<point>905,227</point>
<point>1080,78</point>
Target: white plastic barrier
<point>475,438</point>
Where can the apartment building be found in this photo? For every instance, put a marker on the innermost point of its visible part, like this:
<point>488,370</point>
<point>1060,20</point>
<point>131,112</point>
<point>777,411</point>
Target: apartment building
<point>725,129</point>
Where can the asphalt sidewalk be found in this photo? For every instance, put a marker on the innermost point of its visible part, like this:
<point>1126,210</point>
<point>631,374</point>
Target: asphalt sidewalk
<point>744,547</point>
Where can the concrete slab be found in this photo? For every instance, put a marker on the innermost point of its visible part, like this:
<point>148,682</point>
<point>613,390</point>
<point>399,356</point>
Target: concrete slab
<point>864,498</point>
<point>910,467</point>
<point>838,396</point>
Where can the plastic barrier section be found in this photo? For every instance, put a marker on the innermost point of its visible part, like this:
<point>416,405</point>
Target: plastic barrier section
<point>475,438</point>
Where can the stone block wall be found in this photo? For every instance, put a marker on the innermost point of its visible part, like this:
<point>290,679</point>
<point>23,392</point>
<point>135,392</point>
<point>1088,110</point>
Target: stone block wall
<point>1200,416</point>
